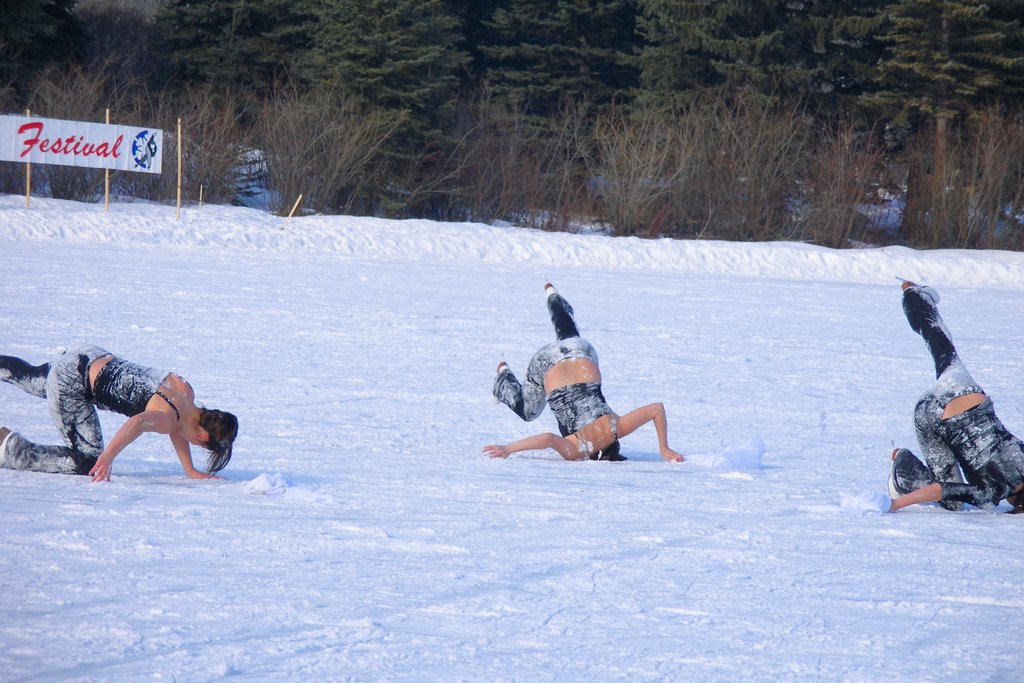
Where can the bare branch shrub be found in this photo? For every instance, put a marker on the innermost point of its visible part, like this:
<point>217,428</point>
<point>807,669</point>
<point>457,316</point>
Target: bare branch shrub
<point>422,182</point>
<point>12,174</point>
<point>498,169</point>
<point>840,179</point>
<point>214,141</point>
<point>755,158</point>
<point>966,192</point>
<point>993,162</point>
<point>524,169</point>
<point>708,168</point>
<point>319,145</point>
<point>694,196</point>
<point>636,169</point>
<point>79,94</point>
<point>562,199</point>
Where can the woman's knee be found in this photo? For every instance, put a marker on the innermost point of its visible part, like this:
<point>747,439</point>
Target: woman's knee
<point>84,463</point>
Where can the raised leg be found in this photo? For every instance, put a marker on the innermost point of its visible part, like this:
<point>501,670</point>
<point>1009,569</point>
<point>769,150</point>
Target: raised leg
<point>919,305</point>
<point>561,314</point>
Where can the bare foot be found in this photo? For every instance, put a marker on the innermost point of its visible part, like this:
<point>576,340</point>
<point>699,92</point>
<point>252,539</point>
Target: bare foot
<point>496,451</point>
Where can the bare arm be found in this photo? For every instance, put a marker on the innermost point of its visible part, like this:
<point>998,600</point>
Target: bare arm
<point>149,421</point>
<point>181,447</point>
<point>654,412</point>
<point>566,448</point>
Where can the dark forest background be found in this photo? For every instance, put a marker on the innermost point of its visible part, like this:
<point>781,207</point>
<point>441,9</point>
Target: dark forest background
<point>838,123</point>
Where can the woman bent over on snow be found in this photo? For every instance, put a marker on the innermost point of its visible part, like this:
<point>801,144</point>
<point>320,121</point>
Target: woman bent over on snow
<point>565,375</point>
<point>86,378</point>
<point>957,428</point>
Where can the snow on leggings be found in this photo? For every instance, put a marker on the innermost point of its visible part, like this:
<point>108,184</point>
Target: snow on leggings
<point>527,400</point>
<point>64,383</point>
<point>976,442</point>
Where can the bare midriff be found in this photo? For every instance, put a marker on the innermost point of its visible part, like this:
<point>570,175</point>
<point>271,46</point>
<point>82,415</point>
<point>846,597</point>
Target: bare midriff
<point>597,435</point>
<point>961,404</point>
<point>96,367</point>
<point>572,371</point>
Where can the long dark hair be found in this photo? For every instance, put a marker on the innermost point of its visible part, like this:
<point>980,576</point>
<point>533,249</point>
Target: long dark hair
<point>222,428</point>
<point>1017,501</point>
<point>611,453</point>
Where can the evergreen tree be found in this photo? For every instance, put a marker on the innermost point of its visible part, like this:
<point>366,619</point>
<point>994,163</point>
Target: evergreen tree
<point>34,33</point>
<point>840,44</point>
<point>400,56</point>
<point>544,51</point>
<point>123,60</point>
<point>474,17</point>
<point>947,58</point>
<point>736,43</point>
<point>825,51</point>
<point>1010,14</point>
<point>248,45</point>
<point>672,60</point>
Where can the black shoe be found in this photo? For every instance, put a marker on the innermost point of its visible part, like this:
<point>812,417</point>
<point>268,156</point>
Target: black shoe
<point>894,487</point>
<point>907,473</point>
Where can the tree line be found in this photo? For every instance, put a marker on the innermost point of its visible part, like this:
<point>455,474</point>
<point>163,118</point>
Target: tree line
<point>736,119</point>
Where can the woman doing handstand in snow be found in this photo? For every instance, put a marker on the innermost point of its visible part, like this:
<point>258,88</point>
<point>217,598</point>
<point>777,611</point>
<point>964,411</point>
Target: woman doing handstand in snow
<point>957,428</point>
<point>86,378</point>
<point>565,375</point>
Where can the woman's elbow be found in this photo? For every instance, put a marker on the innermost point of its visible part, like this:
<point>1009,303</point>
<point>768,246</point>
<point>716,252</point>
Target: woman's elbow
<point>549,440</point>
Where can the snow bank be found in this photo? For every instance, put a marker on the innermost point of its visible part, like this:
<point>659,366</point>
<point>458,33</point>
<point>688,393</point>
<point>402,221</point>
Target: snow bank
<point>420,240</point>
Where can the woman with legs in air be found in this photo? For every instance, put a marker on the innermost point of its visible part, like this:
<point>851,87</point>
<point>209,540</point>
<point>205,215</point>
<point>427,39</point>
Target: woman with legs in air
<point>565,375</point>
<point>957,429</point>
<point>86,378</point>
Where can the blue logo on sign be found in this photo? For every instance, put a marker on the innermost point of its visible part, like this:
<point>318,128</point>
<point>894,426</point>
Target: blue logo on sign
<point>144,149</point>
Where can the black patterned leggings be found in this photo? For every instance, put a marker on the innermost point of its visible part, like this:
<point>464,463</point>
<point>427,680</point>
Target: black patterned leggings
<point>64,383</point>
<point>527,400</point>
<point>974,442</point>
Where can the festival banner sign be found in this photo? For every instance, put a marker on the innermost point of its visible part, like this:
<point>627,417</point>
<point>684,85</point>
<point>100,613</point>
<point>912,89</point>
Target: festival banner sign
<point>75,143</point>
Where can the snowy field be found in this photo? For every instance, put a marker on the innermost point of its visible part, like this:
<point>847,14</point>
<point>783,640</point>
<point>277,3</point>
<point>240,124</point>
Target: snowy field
<point>359,533</point>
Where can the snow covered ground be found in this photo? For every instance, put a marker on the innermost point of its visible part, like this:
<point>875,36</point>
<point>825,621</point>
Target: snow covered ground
<point>359,534</point>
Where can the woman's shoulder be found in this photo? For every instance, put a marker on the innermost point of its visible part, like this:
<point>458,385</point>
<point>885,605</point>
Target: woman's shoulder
<point>178,384</point>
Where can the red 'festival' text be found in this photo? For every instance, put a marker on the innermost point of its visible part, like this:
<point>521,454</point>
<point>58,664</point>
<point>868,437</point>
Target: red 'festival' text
<point>72,145</point>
